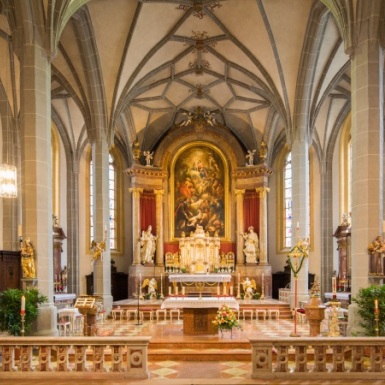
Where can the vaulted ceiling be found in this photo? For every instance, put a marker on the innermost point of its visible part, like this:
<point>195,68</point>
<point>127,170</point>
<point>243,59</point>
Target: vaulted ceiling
<point>141,65</point>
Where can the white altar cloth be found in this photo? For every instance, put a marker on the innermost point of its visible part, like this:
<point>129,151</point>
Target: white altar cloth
<point>199,303</point>
<point>199,277</point>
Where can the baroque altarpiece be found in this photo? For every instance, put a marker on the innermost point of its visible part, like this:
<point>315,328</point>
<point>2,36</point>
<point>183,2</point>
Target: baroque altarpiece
<point>200,197</point>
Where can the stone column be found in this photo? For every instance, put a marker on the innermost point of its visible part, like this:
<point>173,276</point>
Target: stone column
<point>300,183</point>
<point>36,172</point>
<point>159,227</point>
<point>262,224</point>
<point>239,196</point>
<point>367,69</point>
<point>135,224</point>
<point>101,215</point>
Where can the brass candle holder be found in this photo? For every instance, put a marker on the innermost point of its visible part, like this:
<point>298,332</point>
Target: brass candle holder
<point>22,314</point>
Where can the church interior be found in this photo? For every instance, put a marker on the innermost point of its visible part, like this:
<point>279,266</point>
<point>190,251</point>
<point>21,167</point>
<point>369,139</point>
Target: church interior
<point>163,160</point>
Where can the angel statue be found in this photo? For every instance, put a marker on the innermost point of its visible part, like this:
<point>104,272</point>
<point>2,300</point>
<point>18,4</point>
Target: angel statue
<point>250,157</point>
<point>248,288</point>
<point>98,248</point>
<point>152,287</point>
<point>148,155</point>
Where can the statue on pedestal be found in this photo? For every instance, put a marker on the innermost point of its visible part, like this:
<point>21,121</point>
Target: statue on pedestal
<point>248,288</point>
<point>251,249</point>
<point>28,259</point>
<point>148,246</point>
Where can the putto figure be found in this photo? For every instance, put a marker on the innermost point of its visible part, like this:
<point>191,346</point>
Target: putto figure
<point>250,157</point>
<point>148,155</point>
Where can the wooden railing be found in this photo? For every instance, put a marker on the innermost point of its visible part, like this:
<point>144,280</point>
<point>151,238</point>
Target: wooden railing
<point>323,357</point>
<point>127,356</point>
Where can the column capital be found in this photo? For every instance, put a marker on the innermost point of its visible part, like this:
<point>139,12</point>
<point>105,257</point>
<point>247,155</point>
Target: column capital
<point>262,191</point>
<point>159,193</point>
<point>136,191</point>
<point>239,192</point>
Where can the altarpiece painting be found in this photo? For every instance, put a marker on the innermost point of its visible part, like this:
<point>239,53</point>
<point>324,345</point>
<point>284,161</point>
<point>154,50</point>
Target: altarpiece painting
<point>199,186</point>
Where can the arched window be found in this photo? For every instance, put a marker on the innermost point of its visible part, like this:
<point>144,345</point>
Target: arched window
<point>112,200</point>
<point>112,195</point>
<point>287,196</point>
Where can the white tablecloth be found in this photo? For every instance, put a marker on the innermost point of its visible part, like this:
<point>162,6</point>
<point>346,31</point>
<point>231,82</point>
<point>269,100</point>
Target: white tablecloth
<point>199,277</point>
<point>199,303</point>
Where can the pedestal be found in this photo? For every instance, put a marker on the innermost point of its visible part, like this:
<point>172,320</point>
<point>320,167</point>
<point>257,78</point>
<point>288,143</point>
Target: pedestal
<point>315,314</point>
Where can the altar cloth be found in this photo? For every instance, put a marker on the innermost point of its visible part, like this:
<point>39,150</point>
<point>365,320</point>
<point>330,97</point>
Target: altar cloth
<point>199,303</point>
<point>199,277</point>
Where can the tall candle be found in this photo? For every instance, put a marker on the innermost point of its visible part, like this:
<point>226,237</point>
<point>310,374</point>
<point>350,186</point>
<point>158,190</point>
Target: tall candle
<point>231,290</point>
<point>183,290</point>
<point>169,290</point>
<point>19,231</point>
<point>218,290</point>
<point>176,290</point>
<point>22,304</point>
<point>376,306</point>
<point>239,277</point>
<point>334,285</point>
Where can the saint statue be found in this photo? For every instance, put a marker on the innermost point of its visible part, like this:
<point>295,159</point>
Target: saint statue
<point>28,259</point>
<point>250,157</point>
<point>148,246</point>
<point>251,249</point>
<point>152,286</point>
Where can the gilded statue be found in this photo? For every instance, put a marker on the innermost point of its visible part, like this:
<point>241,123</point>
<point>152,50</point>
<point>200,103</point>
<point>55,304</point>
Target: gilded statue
<point>98,248</point>
<point>28,259</point>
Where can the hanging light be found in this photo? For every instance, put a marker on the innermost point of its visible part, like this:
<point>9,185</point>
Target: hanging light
<point>8,173</point>
<point>8,181</point>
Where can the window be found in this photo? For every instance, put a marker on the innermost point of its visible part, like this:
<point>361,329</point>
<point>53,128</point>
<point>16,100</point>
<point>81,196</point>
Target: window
<point>112,199</point>
<point>112,202</point>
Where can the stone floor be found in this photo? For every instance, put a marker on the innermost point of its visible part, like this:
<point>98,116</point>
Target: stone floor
<point>175,371</point>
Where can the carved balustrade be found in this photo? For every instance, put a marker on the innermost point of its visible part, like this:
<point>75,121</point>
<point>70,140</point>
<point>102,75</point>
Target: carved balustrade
<point>121,356</point>
<point>306,357</point>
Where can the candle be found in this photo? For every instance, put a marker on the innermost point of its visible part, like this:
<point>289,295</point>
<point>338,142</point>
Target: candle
<point>19,231</point>
<point>376,306</point>
<point>183,290</point>
<point>297,225</point>
<point>239,277</point>
<point>176,290</point>
<point>231,290</point>
<point>218,290</point>
<point>22,305</point>
<point>169,290</point>
<point>334,286</point>
<point>224,290</point>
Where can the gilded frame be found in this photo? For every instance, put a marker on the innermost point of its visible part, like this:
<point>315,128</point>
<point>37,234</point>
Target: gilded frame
<point>199,186</point>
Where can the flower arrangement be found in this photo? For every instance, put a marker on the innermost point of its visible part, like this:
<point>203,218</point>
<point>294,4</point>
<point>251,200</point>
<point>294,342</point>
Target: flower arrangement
<point>378,245</point>
<point>226,319</point>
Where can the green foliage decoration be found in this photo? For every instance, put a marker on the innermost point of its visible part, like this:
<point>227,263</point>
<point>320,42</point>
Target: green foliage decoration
<point>10,309</point>
<point>365,301</point>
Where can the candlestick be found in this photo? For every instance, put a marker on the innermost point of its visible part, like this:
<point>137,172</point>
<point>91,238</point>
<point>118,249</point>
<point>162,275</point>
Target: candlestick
<point>231,290</point>
<point>169,290</point>
<point>176,290</point>
<point>183,290</point>
<point>376,305</point>
<point>218,290</point>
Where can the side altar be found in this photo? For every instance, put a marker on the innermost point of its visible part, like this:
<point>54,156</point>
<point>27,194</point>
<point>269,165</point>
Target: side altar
<point>199,313</point>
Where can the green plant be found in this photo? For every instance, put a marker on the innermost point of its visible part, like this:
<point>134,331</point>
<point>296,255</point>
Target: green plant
<point>256,295</point>
<point>10,309</point>
<point>365,301</point>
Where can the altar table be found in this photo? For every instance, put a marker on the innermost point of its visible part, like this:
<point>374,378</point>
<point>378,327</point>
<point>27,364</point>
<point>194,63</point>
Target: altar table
<point>198,312</point>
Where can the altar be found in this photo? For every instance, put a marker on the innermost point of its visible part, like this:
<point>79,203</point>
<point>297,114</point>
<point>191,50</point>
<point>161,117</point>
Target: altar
<point>198,313</point>
<point>199,281</point>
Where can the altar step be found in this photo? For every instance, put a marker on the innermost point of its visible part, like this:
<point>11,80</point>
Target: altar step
<point>200,351</point>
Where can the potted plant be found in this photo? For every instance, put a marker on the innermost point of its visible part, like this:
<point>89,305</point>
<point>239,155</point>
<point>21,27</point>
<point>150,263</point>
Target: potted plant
<point>10,309</point>
<point>226,320</point>
<point>365,300</point>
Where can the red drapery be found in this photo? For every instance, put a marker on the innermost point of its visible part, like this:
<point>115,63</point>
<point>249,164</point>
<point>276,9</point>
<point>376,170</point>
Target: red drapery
<point>251,210</point>
<point>148,211</point>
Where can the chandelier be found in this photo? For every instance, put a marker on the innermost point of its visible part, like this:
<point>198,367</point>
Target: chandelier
<point>8,173</point>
